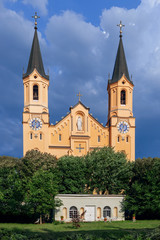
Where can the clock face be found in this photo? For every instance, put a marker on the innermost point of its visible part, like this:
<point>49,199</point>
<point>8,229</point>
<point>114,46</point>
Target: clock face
<point>35,123</point>
<point>123,127</point>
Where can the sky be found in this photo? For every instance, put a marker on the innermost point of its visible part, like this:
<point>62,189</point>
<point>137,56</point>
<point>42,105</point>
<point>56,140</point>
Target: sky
<point>79,41</point>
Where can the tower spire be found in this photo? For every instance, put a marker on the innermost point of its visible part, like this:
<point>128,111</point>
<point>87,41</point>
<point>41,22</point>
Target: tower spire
<point>120,66</point>
<point>35,59</point>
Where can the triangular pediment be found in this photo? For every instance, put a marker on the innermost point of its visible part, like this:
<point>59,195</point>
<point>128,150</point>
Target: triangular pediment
<point>80,103</point>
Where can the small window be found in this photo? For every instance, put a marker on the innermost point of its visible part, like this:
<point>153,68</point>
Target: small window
<point>40,136</point>
<point>60,137</point>
<point>106,212</point>
<point>127,139</point>
<point>99,138</point>
<point>35,92</point>
<point>31,136</point>
<point>73,212</point>
<point>123,97</point>
<point>118,139</point>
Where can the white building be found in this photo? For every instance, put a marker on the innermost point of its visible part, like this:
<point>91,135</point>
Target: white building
<point>96,207</point>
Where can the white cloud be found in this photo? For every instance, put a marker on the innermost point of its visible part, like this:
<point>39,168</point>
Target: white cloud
<point>150,3</point>
<point>41,5</point>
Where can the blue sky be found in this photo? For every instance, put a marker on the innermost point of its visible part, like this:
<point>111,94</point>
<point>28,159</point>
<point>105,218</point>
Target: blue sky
<point>79,41</point>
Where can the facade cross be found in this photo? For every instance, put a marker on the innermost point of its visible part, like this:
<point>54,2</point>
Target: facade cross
<point>35,19</point>
<point>79,95</point>
<point>80,148</point>
<point>120,26</point>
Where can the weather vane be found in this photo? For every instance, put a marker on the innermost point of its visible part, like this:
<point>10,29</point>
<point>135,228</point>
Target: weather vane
<point>79,95</point>
<point>121,26</point>
<point>35,19</point>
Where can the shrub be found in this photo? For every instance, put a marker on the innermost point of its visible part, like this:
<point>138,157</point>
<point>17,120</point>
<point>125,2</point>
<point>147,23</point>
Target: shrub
<point>80,237</point>
<point>10,235</point>
<point>155,234</point>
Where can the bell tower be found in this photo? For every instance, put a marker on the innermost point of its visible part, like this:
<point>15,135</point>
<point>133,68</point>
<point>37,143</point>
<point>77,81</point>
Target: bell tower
<point>35,112</point>
<point>121,122</point>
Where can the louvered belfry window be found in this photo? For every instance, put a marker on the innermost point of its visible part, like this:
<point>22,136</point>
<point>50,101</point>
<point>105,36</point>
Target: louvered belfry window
<point>35,92</point>
<point>123,97</point>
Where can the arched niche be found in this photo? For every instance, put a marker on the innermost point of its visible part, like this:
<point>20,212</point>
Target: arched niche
<point>98,213</point>
<point>64,213</point>
<point>80,121</point>
<point>115,212</point>
<point>82,213</point>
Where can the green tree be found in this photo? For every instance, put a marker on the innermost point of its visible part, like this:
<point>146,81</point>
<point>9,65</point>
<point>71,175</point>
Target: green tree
<point>9,162</point>
<point>142,196</point>
<point>41,191</point>
<point>11,192</point>
<point>71,171</point>
<point>17,177</point>
<point>107,171</point>
<point>35,160</point>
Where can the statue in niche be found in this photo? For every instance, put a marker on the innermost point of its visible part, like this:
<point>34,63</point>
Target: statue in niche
<point>79,124</point>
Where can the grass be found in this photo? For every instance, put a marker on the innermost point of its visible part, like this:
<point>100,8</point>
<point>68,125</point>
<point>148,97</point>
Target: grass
<point>113,230</point>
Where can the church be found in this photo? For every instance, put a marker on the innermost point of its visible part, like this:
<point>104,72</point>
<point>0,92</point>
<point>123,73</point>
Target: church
<point>78,132</point>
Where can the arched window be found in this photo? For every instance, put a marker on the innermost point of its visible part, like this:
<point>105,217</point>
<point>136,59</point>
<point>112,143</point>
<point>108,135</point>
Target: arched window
<point>35,92</point>
<point>60,137</point>
<point>106,212</point>
<point>73,212</point>
<point>123,97</point>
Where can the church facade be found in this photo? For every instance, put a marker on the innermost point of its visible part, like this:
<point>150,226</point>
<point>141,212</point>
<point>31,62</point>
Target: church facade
<point>78,132</point>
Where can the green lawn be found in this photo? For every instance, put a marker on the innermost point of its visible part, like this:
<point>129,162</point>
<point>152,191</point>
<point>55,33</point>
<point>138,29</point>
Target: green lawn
<point>106,230</point>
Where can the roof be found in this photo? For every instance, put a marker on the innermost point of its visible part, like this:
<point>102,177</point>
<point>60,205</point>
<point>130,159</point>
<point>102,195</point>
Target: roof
<point>120,67</point>
<point>35,59</point>
<point>91,195</point>
<point>80,104</point>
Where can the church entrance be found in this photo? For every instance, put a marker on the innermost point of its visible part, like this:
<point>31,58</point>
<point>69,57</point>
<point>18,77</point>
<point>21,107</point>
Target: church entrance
<point>90,213</point>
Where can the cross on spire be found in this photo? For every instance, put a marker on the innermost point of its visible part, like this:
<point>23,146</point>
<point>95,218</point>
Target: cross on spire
<point>79,95</point>
<point>35,19</point>
<point>120,26</point>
